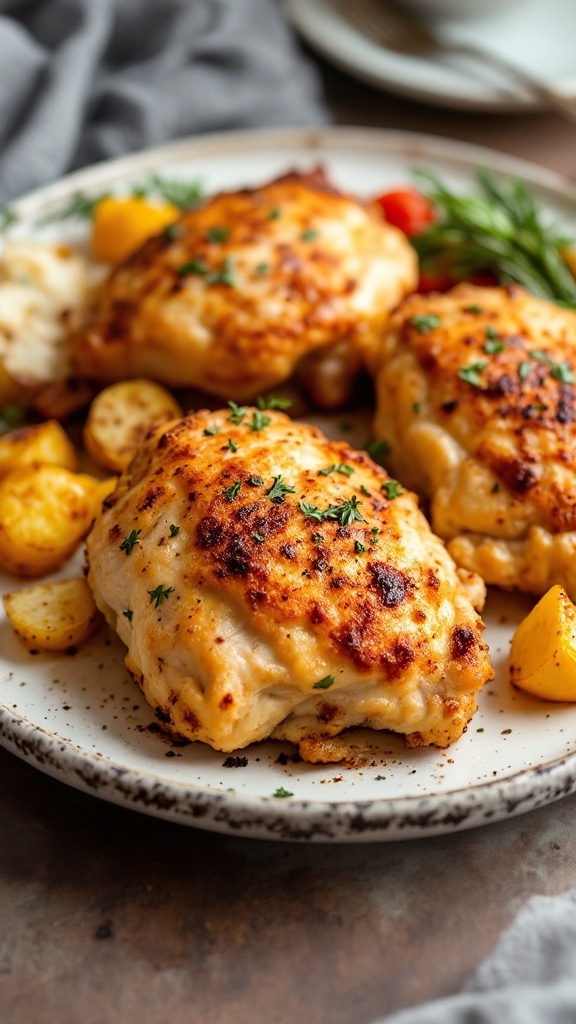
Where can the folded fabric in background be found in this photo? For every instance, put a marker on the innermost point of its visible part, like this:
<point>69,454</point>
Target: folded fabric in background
<point>529,978</point>
<point>83,80</point>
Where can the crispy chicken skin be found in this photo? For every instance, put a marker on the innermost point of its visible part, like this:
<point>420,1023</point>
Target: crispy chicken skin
<point>241,289</point>
<point>248,613</point>
<point>476,400</point>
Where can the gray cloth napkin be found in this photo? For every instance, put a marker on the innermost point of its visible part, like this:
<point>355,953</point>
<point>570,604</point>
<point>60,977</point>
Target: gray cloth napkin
<point>82,80</point>
<point>529,978</point>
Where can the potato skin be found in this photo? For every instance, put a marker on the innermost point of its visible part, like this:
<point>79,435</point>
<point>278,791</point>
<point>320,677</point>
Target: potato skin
<point>121,416</point>
<point>45,442</point>
<point>53,616</point>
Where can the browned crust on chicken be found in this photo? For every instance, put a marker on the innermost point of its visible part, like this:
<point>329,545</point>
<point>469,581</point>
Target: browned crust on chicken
<point>239,290</point>
<point>282,621</point>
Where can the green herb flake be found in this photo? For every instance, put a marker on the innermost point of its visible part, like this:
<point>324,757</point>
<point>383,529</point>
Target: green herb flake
<point>374,534</point>
<point>281,793</point>
<point>317,538</point>
<point>481,729</point>
<point>377,449</point>
<point>180,192</point>
<point>259,421</point>
<point>425,323</point>
<point>261,269</point>
<point>231,493</point>
<point>473,309</point>
<point>338,467</point>
<point>493,343</point>
<point>273,402</point>
<point>128,543</point>
<point>174,530</point>
<point>359,547</point>
<point>278,490</point>
<point>563,372</point>
<point>417,408</point>
<point>524,369</point>
<point>392,489</point>
<point>128,614</point>
<point>217,235</point>
<point>11,416</point>
<point>211,431</point>
<point>192,267</point>
<point>159,594</point>
<point>224,274</point>
<point>380,778</point>
<point>495,488</point>
<point>364,490</point>
<point>274,213</point>
<point>258,538</point>
<point>255,481</point>
<point>232,445</point>
<point>311,511</point>
<point>238,413</point>
<point>309,235</point>
<point>346,513</point>
<point>471,374</point>
<point>325,683</point>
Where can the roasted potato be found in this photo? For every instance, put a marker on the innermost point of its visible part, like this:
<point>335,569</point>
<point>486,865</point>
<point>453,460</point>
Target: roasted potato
<point>45,442</point>
<point>44,513</point>
<point>119,418</point>
<point>97,490</point>
<point>543,652</point>
<point>53,616</point>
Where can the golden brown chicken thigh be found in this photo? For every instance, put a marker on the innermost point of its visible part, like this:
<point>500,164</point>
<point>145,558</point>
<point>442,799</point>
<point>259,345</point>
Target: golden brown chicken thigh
<point>268,582</point>
<point>476,400</point>
<point>239,291</point>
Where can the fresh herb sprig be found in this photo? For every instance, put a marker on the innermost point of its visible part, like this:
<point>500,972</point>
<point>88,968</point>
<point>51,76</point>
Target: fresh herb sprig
<point>181,193</point>
<point>500,228</point>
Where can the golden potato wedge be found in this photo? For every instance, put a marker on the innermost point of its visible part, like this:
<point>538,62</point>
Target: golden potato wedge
<point>121,415</point>
<point>44,513</point>
<point>40,443</point>
<point>543,652</point>
<point>53,616</point>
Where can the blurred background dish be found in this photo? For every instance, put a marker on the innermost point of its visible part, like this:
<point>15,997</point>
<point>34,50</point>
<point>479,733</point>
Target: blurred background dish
<point>457,8</point>
<point>536,36</point>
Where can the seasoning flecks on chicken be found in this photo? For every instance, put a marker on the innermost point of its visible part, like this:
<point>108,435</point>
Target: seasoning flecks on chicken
<point>240,290</point>
<point>271,583</point>
<point>476,399</point>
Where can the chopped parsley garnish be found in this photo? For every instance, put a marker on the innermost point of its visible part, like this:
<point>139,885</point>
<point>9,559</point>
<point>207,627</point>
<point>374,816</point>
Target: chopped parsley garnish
<point>217,235</point>
<point>232,445</point>
<point>493,343</point>
<point>193,267</point>
<point>231,493</point>
<point>417,408</point>
<point>324,684</point>
<point>309,235</point>
<point>279,489</point>
<point>317,538</point>
<point>345,513</point>
<point>524,369</point>
<point>562,372</point>
<point>311,511</point>
<point>255,481</point>
<point>224,275</point>
<point>258,538</point>
<point>159,594</point>
<point>238,413</point>
<point>380,778</point>
<point>359,547</point>
<point>471,374</point>
<point>425,323</point>
<point>211,431</point>
<point>338,467</point>
<point>274,213</point>
<point>393,489</point>
<point>273,402</point>
<point>174,530</point>
<point>364,490</point>
<point>281,792</point>
<point>259,421</point>
<point>261,269</point>
<point>11,416</point>
<point>376,448</point>
<point>374,534</point>
<point>473,309</point>
<point>128,613</point>
<point>129,541</point>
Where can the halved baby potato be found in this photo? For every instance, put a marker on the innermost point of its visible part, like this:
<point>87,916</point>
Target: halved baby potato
<point>42,442</point>
<point>44,513</point>
<point>121,416</point>
<point>53,616</point>
<point>543,652</point>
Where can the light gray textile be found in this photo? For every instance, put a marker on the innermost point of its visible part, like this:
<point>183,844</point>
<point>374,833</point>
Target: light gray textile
<point>529,978</point>
<point>81,80</point>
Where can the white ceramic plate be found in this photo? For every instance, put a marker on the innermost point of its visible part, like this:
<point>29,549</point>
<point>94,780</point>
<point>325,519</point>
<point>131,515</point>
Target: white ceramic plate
<point>81,718</point>
<point>535,35</point>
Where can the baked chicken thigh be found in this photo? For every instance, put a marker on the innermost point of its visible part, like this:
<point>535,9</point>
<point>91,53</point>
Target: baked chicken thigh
<point>476,400</point>
<point>239,291</point>
<point>268,582</point>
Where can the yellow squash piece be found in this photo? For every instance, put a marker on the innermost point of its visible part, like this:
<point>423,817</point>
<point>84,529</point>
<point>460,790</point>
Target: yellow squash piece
<point>53,616</point>
<point>543,653</point>
<point>121,225</point>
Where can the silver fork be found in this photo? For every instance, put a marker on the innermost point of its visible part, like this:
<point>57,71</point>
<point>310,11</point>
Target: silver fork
<point>385,24</point>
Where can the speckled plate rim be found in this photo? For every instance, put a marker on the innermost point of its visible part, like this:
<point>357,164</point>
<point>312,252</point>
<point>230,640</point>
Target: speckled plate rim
<point>266,817</point>
<point>295,820</point>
